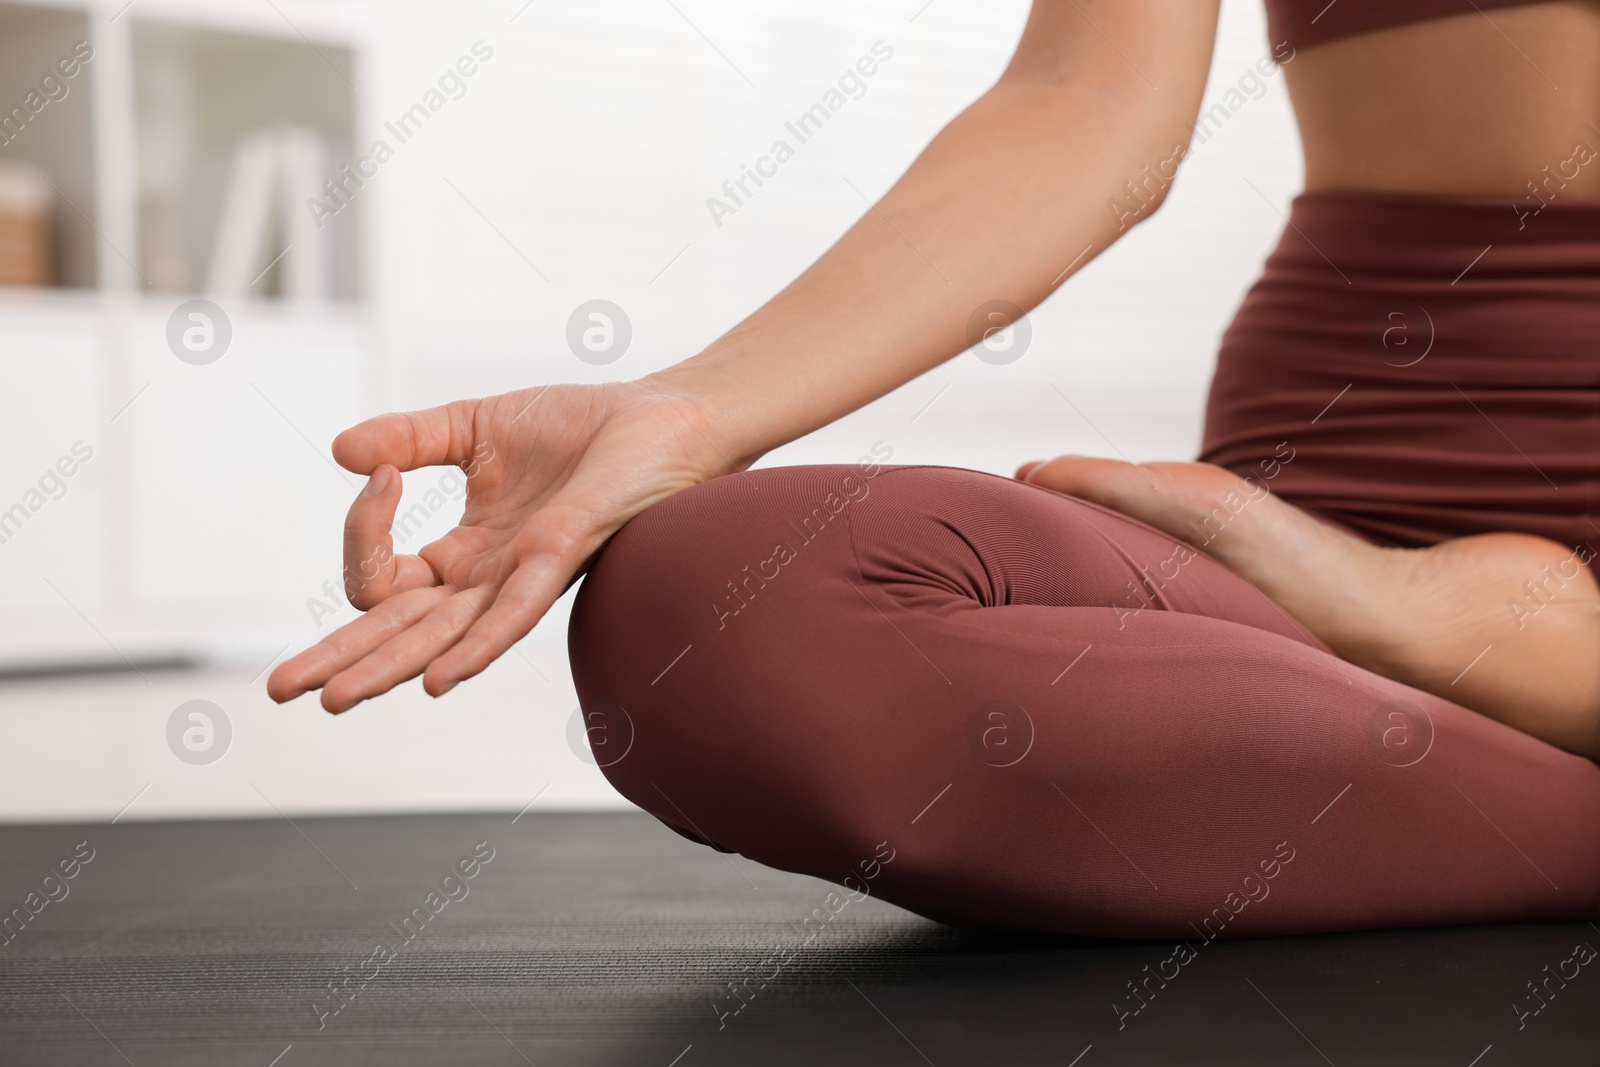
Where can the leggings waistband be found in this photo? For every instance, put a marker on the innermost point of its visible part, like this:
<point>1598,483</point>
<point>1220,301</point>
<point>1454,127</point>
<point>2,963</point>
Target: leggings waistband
<point>1396,235</point>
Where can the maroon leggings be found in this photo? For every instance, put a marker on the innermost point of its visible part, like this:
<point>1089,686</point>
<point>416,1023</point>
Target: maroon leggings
<point>997,705</point>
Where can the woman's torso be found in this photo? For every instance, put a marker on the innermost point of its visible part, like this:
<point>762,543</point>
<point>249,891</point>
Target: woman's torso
<point>1470,104</point>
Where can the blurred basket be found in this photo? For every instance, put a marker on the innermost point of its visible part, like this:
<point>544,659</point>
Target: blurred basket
<point>26,199</point>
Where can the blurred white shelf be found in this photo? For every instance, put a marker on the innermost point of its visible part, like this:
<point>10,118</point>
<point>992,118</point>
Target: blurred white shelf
<point>129,555</point>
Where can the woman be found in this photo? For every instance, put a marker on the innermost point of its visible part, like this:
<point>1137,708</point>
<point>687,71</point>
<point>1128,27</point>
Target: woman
<point>1342,675</point>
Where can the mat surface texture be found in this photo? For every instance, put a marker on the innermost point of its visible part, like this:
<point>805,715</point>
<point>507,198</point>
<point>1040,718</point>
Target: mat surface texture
<point>589,939</point>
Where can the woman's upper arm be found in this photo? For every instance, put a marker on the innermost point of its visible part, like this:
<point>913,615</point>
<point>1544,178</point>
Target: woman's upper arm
<point>1143,54</point>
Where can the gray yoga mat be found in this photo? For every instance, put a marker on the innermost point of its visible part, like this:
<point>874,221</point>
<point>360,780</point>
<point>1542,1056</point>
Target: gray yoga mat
<point>608,939</point>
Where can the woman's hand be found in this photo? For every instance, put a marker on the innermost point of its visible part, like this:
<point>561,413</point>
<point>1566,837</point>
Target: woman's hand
<point>551,474</point>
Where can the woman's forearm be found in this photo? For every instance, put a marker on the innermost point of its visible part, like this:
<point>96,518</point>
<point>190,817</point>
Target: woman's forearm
<point>1039,175</point>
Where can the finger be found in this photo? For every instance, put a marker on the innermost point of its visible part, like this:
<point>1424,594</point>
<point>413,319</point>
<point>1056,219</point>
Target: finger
<point>523,600</point>
<point>407,653</point>
<point>312,668</point>
<point>433,437</point>
<point>1027,468</point>
<point>372,572</point>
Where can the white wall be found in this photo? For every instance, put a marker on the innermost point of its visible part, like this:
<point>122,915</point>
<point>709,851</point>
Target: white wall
<point>587,146</point>
<point>598,131</point>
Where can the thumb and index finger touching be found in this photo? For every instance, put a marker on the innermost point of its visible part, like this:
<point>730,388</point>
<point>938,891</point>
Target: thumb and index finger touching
<point>381,448</point>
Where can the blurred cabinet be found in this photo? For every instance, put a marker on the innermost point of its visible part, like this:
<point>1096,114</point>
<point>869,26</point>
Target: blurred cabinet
<point>152,505</point>
<point>53,552</point>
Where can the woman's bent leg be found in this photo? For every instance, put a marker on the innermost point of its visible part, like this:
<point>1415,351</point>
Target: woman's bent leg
<point>997,705</point>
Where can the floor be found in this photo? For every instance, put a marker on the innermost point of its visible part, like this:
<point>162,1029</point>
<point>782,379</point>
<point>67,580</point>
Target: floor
<point>602,938</point>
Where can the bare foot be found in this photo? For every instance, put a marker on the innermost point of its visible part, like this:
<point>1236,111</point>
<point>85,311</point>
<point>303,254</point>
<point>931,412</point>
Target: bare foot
<point>1506,624</point>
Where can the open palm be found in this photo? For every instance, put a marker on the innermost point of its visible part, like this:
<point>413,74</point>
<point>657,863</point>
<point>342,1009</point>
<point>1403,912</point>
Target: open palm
<point>551,474</point>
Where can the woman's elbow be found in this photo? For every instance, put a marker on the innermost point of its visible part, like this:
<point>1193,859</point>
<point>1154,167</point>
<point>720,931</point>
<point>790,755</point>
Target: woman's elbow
<point>1144,191</point>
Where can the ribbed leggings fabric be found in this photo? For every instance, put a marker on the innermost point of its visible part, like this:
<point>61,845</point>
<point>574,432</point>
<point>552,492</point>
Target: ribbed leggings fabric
<point>1000,706</point>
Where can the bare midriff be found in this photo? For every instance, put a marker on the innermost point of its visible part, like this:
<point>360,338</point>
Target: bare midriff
<point>1471,105</point>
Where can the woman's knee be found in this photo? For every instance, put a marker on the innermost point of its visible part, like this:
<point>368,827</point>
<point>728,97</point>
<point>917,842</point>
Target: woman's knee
<point>697,560</point>
<point>701,641</point>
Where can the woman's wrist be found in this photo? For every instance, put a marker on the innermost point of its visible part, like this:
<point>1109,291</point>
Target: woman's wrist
<point>718,404</point>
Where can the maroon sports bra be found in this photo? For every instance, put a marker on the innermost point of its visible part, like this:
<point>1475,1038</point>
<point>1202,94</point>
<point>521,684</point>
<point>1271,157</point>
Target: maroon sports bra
<point>1303,23</point>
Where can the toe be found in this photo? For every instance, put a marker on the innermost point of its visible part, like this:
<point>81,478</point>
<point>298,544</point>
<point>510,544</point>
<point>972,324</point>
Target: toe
<point>1083,476</point>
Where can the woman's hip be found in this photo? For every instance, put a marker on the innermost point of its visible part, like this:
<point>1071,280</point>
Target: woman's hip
<point>1417,369</point>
